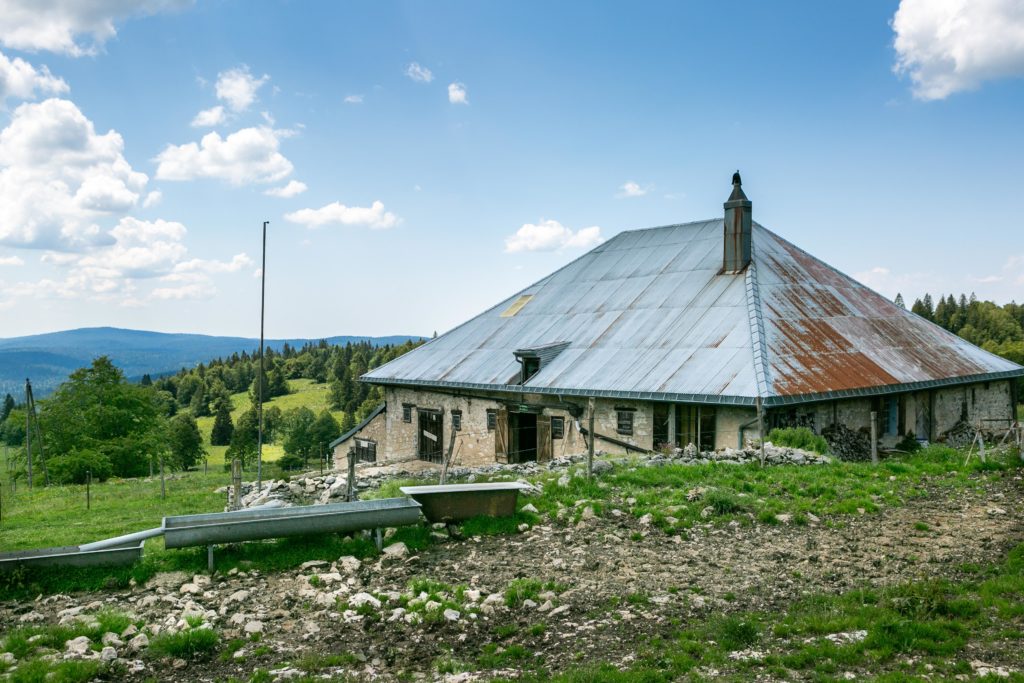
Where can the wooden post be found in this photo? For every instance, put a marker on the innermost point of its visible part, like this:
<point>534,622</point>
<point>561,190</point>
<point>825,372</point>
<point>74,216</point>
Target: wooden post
<point>874,438</point>
<point>981,442</point>
<point>590,441</point>
<point>760,427</point>
<point>88,489</point>
<point>236,483</point>
<point>351,483</point>
<point>28,433</point>
<point>163,486</point>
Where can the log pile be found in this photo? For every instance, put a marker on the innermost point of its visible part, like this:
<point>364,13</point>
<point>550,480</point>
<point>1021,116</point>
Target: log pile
<point>847,444</point>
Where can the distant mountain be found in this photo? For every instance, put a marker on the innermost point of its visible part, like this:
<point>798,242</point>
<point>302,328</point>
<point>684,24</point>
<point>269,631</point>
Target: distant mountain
<point>47,359</point>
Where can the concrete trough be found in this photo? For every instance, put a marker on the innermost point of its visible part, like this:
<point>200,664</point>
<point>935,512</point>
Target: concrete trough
<point>73,556</point>
<point>451,503</point>
<point>256,524</point>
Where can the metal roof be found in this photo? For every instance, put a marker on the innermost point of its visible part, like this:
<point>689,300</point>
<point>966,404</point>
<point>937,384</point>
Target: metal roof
<point>648,315</point>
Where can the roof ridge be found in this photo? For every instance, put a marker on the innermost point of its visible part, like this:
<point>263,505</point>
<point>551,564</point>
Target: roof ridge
<point>758,343</point>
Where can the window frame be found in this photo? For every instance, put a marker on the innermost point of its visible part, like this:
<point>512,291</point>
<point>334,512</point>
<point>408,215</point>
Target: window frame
<point>559,432</point>
<point>492,419</point>
<point>624,423</point>
<point>456,420</point>
<point>407,412</point>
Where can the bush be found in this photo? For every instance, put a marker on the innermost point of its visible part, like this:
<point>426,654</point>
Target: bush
<point>189,643</point>
<point>799,437</point>
<point>908,444</point>
<point>72,468</point>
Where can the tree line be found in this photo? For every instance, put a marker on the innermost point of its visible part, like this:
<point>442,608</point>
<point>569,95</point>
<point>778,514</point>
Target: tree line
<point>98,422</point>
<point>997,329</point>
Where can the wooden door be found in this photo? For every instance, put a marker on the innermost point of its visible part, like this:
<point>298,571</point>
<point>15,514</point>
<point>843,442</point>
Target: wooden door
<point>501,435</point>
<point>543,438</point>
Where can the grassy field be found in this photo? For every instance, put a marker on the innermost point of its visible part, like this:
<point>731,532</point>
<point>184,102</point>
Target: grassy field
<point>304,393</point>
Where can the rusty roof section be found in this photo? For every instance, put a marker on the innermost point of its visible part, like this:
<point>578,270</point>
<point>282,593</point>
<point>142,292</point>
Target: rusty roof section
<point>649,315</point>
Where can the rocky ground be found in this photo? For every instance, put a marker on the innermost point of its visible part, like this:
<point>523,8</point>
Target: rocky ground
<point>558,594</point>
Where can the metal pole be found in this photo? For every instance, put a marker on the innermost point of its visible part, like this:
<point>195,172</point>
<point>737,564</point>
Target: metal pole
<point>874,438</point>
<point>263,290</point>
<point>590,441</point>
<point>28,431</point>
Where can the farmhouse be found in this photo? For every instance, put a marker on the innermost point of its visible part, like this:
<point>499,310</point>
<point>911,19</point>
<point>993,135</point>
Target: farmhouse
<point>679,335</point>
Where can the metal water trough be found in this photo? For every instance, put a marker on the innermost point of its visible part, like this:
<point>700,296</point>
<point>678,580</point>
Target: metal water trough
<point>73,556</point>
<point>458,502</point>
<point>255,524</point>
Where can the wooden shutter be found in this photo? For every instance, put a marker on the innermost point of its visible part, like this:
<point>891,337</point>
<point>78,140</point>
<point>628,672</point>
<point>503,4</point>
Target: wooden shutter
<point>543,438</point>
<point>501,435</point>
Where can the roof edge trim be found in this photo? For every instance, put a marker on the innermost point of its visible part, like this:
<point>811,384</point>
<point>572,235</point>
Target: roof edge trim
<point>352,432</point>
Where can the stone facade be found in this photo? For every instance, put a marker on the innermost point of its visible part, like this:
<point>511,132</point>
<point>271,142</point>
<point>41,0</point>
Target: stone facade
<point>926,414</point>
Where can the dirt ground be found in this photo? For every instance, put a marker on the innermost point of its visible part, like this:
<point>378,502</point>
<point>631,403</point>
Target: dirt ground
<point>589,570</point>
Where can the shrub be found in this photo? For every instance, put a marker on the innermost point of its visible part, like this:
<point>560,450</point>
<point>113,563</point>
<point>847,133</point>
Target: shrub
<point>799,437</point>
<point>908,444</point>
<point>72,467</point>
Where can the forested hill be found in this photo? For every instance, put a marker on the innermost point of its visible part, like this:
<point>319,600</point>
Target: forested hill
<point>48,358</point>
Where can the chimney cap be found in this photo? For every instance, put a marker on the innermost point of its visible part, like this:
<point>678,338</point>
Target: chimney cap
<point>737,192</point>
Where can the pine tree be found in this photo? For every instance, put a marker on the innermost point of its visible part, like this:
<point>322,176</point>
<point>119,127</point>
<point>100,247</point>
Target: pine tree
<point>222,426</point>
<point>7,407</point>
<point>899,301</point>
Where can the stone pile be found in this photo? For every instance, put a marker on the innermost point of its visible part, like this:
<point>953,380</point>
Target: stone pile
<point>773,455</point>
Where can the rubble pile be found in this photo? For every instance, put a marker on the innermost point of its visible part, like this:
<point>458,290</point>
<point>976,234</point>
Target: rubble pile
<point>961,435</point>
<point>773,455</point>
<point>847,444</point>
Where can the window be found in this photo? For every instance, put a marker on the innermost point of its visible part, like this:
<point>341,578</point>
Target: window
<point>557,427</point>
<point>531,366</point>
<point>625,421</point>
<point>492,419</point>
<point>457,420</point>
<point>406,412</point>
<point>366,450</point>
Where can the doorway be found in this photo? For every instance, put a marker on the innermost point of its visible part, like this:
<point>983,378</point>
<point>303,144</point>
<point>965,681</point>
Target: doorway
<point>522,429</point>
<point>429,440</point>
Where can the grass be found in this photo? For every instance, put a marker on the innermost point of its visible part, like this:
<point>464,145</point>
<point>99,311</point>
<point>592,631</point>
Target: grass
<point>190,643</point>
<point>304,392</point>
<point>913,631</point>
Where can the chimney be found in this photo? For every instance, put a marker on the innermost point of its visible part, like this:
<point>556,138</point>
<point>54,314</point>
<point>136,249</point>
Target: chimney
<point>737,229</point>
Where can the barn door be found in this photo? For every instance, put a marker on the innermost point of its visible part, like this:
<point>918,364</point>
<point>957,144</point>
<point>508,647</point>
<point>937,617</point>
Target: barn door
<point>501,435</point>
<point>543,438</point>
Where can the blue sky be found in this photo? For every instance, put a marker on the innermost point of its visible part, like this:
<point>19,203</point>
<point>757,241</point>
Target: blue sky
<point>436,157</point>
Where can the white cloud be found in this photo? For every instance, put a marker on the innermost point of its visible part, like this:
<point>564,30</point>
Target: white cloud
<point>249,155</point>
<point>59,178</point>
<point>337,213</point>
<point>293,188</point>
<point>21,80</point>
<point>238,87</point>
<point>237,263</point>
<point>207,118</point>
<point>457,93</point>
<point>353,99</point>
<point>152,199</point>
<point>947,46</point>
<point>11,261</point>
<point>420,74</point>
<point>196,290</point>
<point>551,235</point>
<point>57,25</point>
<point>632,189</point>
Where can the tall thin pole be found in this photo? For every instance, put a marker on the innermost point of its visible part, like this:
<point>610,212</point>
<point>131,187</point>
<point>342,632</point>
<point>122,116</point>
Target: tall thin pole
<point>263,298</point>
<point>28,430</point>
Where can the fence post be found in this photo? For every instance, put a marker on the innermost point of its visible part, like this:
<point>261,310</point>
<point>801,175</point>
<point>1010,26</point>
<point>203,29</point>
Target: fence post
<point>351,475</point>
<point>590,441</point>
<point>88,489</point>
<point>236,483</point>
<point>163,486</point>
<point>874,438</point>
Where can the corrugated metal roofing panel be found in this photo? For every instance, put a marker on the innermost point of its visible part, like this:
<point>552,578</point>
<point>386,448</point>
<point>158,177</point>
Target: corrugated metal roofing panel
<point>647,314</point>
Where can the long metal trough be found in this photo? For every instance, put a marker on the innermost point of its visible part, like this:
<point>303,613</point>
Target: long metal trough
<point>73,556</point>
<point>458,502</point>
<point>255,524</point>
